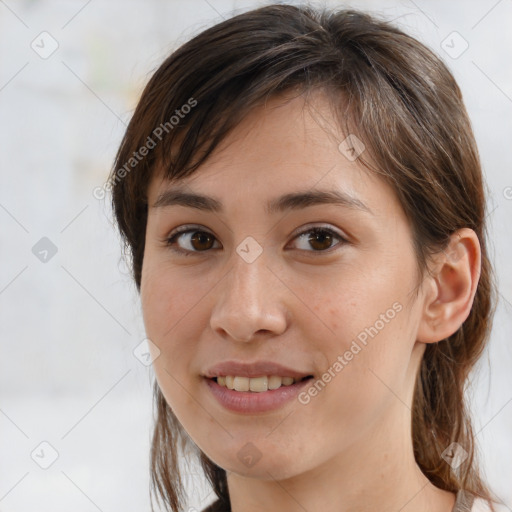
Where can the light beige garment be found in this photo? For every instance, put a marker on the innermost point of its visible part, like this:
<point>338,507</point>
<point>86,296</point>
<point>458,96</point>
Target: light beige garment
<point>466,502</point>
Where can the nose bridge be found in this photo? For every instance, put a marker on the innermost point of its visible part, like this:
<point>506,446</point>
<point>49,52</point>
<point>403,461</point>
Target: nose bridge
<point>247,301</point>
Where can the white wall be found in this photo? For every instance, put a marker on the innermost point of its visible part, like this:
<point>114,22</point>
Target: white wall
<point>68,326</point>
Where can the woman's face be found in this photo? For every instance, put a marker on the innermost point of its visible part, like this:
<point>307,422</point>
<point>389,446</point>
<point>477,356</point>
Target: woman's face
<point>254,285</point>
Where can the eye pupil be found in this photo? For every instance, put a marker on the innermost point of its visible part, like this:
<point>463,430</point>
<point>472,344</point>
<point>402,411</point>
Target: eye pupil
<point>201,236</point>
<point>320,236</point>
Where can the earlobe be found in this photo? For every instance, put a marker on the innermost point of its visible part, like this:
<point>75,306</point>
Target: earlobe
<point>451,288</point>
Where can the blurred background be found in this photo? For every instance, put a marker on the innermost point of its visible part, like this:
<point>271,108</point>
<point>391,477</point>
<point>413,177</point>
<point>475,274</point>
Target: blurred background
<point>75,387</point>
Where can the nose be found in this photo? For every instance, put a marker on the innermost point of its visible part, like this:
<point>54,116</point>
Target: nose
<point>249,301</point>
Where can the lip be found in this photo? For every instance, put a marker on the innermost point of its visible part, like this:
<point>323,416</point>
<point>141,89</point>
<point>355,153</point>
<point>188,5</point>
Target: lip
<point>254,369</point>
<point>248,402</point>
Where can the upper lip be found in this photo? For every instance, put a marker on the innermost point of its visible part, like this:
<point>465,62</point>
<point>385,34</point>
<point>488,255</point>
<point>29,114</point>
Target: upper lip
<point>254,369</point>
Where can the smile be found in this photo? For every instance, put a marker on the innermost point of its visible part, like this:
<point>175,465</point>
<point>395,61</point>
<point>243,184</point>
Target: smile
<point>255,384</point>
<point>252,402</point>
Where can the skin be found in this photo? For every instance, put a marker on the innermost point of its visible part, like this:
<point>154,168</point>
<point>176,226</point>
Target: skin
<point>350,447</point>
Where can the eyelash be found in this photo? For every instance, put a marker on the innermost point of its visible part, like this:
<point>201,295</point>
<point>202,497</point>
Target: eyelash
<point>170,242</point>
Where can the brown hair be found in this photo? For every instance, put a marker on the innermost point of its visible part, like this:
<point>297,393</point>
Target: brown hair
<point>396,96</point>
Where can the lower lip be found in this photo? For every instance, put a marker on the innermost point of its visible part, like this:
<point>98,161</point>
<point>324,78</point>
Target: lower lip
<point>252,402</point>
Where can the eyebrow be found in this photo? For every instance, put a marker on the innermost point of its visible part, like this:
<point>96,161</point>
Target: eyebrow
<point>291,201</point>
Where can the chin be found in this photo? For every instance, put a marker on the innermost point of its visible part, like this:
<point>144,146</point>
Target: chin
<point>249,462</point>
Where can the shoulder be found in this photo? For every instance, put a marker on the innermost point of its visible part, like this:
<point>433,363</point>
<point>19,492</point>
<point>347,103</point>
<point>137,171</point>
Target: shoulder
<point>468,502</point>
<point>481,505</point>
<point>217,506</point>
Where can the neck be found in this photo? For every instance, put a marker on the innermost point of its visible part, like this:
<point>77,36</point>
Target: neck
<point>378,472</point>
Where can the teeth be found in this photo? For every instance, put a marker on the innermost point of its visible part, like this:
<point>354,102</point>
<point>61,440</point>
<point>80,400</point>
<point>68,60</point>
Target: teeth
<point>257,384</point>
<point>241,383</point>
<point>274,382</point>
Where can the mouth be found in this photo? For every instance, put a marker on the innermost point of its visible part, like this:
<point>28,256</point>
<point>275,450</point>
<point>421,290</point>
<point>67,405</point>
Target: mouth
<point>249,387</point>
<point>263,394</point>
<point>260,384</point>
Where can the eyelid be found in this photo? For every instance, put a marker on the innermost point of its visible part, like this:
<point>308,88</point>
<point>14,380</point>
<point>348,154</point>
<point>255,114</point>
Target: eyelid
<point>313,225</point>
<point>186,227</point>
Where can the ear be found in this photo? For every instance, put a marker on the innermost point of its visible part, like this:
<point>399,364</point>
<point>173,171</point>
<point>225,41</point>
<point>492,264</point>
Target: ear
<point>450,288</point>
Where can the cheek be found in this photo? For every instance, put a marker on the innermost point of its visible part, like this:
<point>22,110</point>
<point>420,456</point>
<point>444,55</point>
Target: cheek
<point>165,321</point>
<point>368,347</point>
<point>164,304</point>
<point>169,321</point>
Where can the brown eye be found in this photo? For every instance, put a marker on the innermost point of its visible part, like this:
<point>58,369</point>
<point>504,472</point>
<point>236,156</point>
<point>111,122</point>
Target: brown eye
<point>320,239</point>
<point>201,240</point>
<point>194,240</point>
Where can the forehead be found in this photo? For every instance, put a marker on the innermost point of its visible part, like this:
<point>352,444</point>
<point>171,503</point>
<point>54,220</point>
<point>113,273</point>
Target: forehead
<point>282,147</point>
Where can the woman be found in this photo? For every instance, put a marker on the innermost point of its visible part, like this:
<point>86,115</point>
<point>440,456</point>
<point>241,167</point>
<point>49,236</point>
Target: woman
<point>301,197</point>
